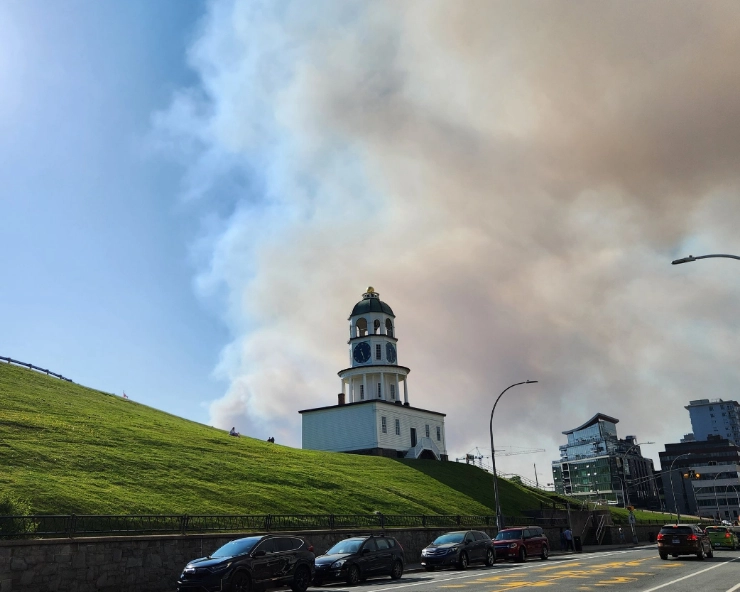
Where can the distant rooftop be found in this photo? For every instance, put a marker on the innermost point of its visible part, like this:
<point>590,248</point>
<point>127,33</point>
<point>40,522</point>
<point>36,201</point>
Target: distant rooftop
<point>594,420</point>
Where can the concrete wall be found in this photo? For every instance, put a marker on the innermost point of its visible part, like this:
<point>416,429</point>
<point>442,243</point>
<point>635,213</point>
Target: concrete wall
<point>149,563</point>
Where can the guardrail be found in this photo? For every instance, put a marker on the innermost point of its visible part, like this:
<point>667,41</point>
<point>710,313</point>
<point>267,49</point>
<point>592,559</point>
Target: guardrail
<point>80,526</point>
<point>32,367</point>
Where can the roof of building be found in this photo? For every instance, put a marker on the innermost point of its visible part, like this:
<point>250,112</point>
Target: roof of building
<point>371,302</point>
<point>368,401</point>
<point>595,419</point>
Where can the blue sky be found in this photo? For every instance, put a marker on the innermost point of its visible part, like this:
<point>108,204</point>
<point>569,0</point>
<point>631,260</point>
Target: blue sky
<point>195,194</point>
<point>99,277</point>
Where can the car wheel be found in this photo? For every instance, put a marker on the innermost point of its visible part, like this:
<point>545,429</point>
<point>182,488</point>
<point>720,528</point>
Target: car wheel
<point>241,582</point>
<point>490,558</point>
<point>301,579</point>
<point>397,570</point>
<point>545,552</point>
<point>463,561</point>
<point>710,553</point>
<point>353,575</point>
<point>700,553</point>
<point>663,556</point>
<point>522,555</point>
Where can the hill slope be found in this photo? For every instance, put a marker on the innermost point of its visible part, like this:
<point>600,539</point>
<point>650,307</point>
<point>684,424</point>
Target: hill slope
<point>70,449</point>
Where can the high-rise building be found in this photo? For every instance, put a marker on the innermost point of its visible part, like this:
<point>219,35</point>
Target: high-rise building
<point>715,417</point>
<point>595,464</point>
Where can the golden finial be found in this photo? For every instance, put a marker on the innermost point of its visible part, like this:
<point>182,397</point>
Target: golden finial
<point>370,290</point>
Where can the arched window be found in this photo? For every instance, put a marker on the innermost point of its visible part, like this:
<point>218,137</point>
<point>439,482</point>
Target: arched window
<point>376,326</point>
<point>388,328</point>
<point>361,327</point>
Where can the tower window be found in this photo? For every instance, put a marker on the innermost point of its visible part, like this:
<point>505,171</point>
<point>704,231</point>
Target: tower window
<point>376,326</point>
<point>362,392</point>
<point>383,426</point>
<point>398,427</point>
<point>388,328</point>
<point>393,392</point>
<point>439,433</point>
<point>361,328</point>
<point>380,392</point>
<point>426,431</point>
<point>378,351</point>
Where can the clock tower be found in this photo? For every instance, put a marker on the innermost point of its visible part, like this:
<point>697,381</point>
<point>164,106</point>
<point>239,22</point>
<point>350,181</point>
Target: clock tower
<point>374,372</point>
<point>372,414</point>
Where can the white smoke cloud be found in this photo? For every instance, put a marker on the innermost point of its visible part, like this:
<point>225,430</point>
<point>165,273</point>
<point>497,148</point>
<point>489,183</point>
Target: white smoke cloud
<point>513,179</point>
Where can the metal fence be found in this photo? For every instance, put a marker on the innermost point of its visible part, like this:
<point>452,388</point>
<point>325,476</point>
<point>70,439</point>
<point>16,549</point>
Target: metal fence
<point>50,526</point>
<point>32,367</point>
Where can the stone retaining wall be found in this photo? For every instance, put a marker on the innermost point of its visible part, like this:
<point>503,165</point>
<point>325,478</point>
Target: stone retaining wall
<point>151,563</point>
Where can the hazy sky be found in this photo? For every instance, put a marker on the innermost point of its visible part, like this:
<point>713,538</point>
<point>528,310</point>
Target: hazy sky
<point>196,194</point>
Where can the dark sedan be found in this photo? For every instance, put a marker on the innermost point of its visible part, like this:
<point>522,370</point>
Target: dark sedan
<point>683,539</point>
<point>458,549</point>
<point>258,561</point>
<point>358,558</point>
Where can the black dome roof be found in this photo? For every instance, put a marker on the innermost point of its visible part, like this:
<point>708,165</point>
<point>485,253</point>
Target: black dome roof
<point>371,302</point>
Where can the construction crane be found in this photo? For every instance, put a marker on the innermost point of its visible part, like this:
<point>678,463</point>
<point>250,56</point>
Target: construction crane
<point>475,456</point>
<point>512,450</point>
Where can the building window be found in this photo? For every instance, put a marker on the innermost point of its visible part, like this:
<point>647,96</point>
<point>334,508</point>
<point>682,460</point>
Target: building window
<point>379,391</point>
<point>426,431</point>
<point>377,351</point>
<point>383,426</point>
<point>376,326</point>
<point>362,392</point>
<point>393,392</point>
<point>398,427</point>
<point>439,433</point>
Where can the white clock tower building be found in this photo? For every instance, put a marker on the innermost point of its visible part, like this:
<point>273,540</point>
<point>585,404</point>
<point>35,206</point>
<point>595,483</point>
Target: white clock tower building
<point>373,414</point>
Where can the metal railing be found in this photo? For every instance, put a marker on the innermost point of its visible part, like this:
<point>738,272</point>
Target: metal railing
<point>32,367</point>
<point>72,526</point>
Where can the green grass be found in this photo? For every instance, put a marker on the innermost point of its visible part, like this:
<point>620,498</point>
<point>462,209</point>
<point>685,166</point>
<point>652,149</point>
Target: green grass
<point>68,449</point>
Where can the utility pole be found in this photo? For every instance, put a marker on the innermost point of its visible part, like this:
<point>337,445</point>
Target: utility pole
<point>536,481</point>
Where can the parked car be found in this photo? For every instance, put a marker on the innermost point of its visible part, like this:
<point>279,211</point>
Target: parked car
<point>521,542</point>
<point>358,558</point>
<point>244,564</point>
<point>458,549</point>
<point>722,536</point>
<point>683,539</point>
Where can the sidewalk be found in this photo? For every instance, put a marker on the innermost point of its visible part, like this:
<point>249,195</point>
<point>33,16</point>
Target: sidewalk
<point>411,567</point>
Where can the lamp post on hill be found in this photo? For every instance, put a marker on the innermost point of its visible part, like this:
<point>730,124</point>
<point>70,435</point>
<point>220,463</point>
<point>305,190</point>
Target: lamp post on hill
<point>497,501</point>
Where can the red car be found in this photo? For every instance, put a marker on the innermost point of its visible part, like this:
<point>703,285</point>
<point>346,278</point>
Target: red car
<point>521,542</point>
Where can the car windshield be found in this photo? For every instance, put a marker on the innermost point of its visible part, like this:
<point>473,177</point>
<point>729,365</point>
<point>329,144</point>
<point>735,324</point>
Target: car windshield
<point>237,547</point>
<point>716,529</point>
<point>509,535</point>
<point>452,537</point>
<point>348,546</point>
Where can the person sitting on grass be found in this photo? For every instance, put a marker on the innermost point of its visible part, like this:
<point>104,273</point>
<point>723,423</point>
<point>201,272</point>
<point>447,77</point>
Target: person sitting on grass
<point>233,432</point>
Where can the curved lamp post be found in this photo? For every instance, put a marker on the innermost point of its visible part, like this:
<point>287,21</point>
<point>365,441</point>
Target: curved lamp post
<point>499,516</point>
<point>716,499</point>
<point>692,258</point>
<point>670,476</point>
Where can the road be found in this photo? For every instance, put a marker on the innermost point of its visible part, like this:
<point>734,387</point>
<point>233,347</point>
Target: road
<point>639,569</point>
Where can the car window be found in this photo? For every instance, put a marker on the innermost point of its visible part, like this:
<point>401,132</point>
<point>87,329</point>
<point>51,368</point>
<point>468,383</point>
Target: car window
<point>287,543</point>
<point>268,546</point>
<point>469,538</point>
<point>481,536</point>
<point>346,546</point>
<point>370,544</point>
<point>526,533</point>
<point>676,530</point>
<point>509,535</point>
<point>382,544</point>
<point>450,537</point>
<point>237,547</point>
<point>391,542</point>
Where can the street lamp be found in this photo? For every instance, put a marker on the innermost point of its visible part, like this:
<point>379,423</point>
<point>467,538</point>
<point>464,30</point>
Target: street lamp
<point>692,258</point>
<point>716,499</point>
<point>670,476</point>
<point>624,456</point>
<point>497,501</point>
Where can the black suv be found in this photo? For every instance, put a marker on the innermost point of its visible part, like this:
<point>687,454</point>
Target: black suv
<point>358,558</point>
<point>258,561</point>
<point>459,549</point>
<point>684,539</point>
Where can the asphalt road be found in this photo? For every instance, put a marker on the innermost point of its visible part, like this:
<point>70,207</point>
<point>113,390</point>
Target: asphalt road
<point>639,569</point>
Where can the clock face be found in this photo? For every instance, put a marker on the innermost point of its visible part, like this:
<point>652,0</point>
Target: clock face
<point>390,352</point>
<point>361,353</point>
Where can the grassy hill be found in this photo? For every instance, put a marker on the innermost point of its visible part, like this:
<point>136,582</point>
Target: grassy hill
<point>70,449</point>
